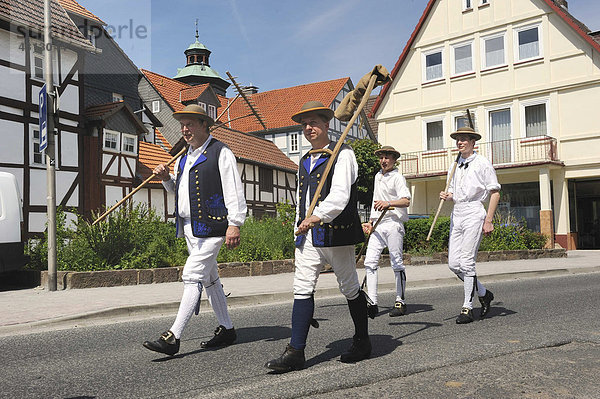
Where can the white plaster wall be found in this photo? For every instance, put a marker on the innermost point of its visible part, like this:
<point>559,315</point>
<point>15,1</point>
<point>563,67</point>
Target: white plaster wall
<point>69,149</point>
<point>13,83</point>
<point>11,151</point>
<point>69,100</point>
<point>38,187</point>
<point>114,168</point>
<point>113,195</point>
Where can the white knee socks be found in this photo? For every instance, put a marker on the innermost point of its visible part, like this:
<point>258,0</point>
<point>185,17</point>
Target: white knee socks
<point>218,301</point>
<point>189,299</point>
<point>372,278</point>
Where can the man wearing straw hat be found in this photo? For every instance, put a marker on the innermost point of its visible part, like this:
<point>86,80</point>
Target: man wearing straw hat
<point>390,191</point>
<point>473,182</point>
<point>326,236</point>
<point>209,209</point>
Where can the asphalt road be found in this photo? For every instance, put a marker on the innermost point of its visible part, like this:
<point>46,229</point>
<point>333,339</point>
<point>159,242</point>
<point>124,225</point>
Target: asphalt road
<point>540,340</point>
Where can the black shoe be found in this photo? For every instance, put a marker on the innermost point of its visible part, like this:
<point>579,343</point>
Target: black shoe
<point>166,343</point>
<point>291,359</point>
<point>360,350</point>
<point>399,309</point>
<point>372,310</point>
<point>486,301</point>
<point>222,337</point>
<point>465,316</point>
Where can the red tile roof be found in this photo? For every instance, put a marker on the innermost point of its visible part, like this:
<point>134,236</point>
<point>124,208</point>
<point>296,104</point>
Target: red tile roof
<point>161,140</point>
<point>168,88</point>
<point>76,8</point>
<point>150,155</point>
<point>574,23</point>
<point>255,149</point>
<point>277,106</point>
<point>104,111</point>
<point>193,92</point>
<point>30,13</point>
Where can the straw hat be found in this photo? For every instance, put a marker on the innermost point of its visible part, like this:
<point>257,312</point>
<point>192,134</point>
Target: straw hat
<point>466,130</point>
<point>387,149</point>
<point>194,111</point>
<point>313,106</point>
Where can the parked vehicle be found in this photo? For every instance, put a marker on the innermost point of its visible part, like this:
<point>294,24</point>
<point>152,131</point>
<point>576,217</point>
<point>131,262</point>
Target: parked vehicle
<point>11,221</point>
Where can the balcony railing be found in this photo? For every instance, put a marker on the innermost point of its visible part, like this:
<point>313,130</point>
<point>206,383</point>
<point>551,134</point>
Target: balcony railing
<point>504,153</point>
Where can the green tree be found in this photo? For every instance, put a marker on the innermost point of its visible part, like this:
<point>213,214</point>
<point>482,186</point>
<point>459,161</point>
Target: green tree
<point>368,166</point>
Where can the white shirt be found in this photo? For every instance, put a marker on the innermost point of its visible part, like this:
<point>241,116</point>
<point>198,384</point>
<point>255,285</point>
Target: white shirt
<point>231,184</point>
<point>389,187</point>
<point>345,174</point>
<point>475,181</point>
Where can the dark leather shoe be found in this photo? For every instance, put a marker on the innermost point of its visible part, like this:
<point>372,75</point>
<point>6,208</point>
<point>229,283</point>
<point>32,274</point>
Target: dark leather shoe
<point>166,343</point>
<point>486,301</point>
<point>465,316</point>
<point>223,337</point>
<point>399,309</point>
<point>291,359</point>
<point>360,350</point>
<point>372,310</point>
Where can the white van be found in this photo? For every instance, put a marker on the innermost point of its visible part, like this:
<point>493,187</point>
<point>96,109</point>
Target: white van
<point>11,218</point>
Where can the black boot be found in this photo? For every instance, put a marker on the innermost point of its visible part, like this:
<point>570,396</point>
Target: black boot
<point>166,343</point>
<point>361,345</point>
<point>485,301</point>
<point>222,337</point>
<point>360,350</point>
<point>291,359</point>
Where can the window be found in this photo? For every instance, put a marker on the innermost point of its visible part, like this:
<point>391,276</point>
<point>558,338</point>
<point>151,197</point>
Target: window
<point>111,140</point>
<point>435,135</point>
<point>294,142</point>
<point>265,179</point>
<point>528,42</point>
<point>463,120</point>
<point>500,128</point>
<point>38,61</point>
<point>467,4</point>
<point>129,143</point>
<point>493,51</point>
<point>155,106</point>
<point>484,2</point>
<point>116,97</point>
<point>91,35</point>
<point>203,105</point>
<point>433,65</point>
<point>212,111</point>
<point>38,156</point>
<point>463,58</point>
<point>535,120</point>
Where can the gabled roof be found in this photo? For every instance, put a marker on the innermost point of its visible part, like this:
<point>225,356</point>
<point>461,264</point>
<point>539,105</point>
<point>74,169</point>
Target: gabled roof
<point>574,23</point>
<point>168,88</point>
<point>276,107</point>
<point>30,13</point>
<point>105,111</point>
<point>193,92</point>
<point>76,8</point>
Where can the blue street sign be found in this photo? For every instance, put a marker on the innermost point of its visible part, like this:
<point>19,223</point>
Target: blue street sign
<point>43,110</point>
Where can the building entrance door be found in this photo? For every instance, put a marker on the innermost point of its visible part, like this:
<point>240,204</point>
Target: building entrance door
<point>588,214</point>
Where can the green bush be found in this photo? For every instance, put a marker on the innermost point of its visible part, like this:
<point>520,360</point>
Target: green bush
<point>511,234</point>
<point>415,237</point>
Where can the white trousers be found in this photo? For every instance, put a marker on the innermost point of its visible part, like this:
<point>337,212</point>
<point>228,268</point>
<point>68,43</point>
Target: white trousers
<point>310,260</point>
<point>388,234</point>
<point>466,228</point>
<point>201,265</point>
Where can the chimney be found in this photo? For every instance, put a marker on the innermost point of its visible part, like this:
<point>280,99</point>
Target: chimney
<point>250,89</point>
<point>563,4</point>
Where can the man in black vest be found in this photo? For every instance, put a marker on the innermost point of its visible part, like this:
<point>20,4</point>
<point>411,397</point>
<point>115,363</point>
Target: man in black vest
<point>209,209</point>
<point>327,236</point>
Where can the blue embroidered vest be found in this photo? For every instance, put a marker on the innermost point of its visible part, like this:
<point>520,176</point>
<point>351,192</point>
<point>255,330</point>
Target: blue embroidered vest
<point>345,229</point>
<point>207,206</point>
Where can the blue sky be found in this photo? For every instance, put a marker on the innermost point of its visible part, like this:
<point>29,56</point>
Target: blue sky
<point>274,43</point>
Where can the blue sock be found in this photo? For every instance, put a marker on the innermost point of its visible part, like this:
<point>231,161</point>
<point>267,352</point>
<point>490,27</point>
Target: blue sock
<point>302,314</point>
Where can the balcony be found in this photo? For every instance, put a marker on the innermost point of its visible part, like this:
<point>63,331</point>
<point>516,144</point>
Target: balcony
<point>503,154</point>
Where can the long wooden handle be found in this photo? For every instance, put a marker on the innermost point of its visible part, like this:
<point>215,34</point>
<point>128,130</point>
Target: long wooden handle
<point>362,249</point>
<point>442,201</point>
<point>153,175</point>
<point>338,146</point>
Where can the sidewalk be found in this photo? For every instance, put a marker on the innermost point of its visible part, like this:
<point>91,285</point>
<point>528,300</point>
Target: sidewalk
<point>33,310</point>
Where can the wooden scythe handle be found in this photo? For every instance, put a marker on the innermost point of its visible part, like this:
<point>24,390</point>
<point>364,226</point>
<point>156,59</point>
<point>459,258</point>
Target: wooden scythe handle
<point>153,175</point>
<point>338,146</point>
